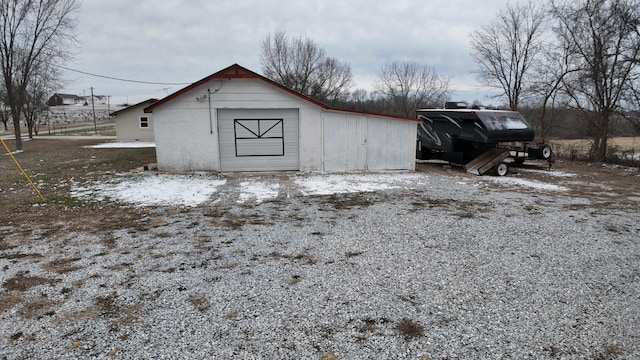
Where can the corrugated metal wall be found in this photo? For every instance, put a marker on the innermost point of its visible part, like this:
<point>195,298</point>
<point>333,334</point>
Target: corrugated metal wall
<point>355,142</point>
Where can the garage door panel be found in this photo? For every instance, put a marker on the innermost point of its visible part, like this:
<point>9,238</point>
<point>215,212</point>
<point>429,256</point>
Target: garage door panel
<point>258,140</point>
<point>260,147</point>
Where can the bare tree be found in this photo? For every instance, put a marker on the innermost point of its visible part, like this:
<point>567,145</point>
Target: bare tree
<point>631,111</point>
<point>301,65</point>
<point>508,48</point>
<point>408,86</point>
<point>546,84</point>
<point>4,114</point>
<point>44,81</point>
<point>604,44</point>
<point>34,32</point>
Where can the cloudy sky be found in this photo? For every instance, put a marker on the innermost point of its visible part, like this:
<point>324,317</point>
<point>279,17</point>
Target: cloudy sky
<point>178,42</point>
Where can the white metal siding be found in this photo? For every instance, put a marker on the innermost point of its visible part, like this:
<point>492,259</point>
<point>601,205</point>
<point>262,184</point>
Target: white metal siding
<point>345,143</point>
<point>355,142</point>
<point>258,140</point>
<point>128,125</point>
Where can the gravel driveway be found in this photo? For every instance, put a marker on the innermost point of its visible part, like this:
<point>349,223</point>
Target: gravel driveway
<point>444,265</point>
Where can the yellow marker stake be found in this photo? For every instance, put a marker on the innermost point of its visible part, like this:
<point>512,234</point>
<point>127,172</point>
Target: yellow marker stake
<point>22,170</point>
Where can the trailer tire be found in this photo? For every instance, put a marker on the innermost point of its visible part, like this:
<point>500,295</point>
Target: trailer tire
<point>500,169</point>
<point>426,153</point>
<point>545,152</point>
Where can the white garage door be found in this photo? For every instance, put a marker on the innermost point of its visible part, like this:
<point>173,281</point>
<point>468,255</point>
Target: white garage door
<point>258,140</point>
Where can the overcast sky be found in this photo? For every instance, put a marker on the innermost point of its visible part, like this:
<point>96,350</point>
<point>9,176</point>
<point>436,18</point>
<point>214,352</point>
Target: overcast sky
<point>183,41</point>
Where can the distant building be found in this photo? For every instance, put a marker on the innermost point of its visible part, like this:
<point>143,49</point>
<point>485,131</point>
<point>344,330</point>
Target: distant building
<point>65,99</point>
<point>97,99</point>
<point>69,99</point>
<point>132,124</point>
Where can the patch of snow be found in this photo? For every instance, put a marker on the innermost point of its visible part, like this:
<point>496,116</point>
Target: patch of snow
<point>527,183</point>
<point>123,144</point>
<point>145,190</point>
<point>15,152</point>
<point>193,190</point>
<point>327,184</point>
<point>259,191</point>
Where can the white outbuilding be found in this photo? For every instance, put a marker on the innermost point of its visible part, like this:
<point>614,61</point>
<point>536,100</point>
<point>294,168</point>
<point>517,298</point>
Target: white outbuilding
<point>133,124</point>
<point>238,120</point>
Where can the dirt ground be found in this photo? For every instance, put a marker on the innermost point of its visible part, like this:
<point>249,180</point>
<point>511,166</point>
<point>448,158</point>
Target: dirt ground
<point>54,165</point>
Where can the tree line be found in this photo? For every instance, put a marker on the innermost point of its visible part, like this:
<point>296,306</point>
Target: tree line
<point>558,61</point>
<point>302,65</point>
<point>36,36</point>
<point>568,63</point>
<point>570,60</point>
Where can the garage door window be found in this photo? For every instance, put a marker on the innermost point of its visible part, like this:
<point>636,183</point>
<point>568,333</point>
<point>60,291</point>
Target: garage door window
<point>259,137</point>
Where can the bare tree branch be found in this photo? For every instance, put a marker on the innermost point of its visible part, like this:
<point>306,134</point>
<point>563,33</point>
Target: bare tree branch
<point>604,44</point>
<point>508,48</point>
<point>301,65</point>
<point>33,33</point>
<point>408,86</point>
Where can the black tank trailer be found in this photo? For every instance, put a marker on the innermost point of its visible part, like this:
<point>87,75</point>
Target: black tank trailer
<point>478,139</point>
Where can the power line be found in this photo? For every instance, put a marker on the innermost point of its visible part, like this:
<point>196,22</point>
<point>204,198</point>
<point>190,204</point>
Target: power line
<point>121,79</point>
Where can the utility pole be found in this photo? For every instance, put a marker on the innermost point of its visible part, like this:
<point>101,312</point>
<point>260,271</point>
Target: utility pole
<point>95,126</point>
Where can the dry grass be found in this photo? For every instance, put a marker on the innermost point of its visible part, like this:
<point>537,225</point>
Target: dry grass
<point>200,302</point>
<point>108,306</point>
<point>622,143</point>
<point>610,351</point>
<point>8,300</point>
<point>463,209</point>
<point>23,282</point>
<point>228,266</point>
<point>295,279</point>
<point>37,308</point>
<point>621,150</point>
<point>55,165</point>
<point>328,356</point>
<point>410,329</point>
<point>62,266</point>
<point>77,316</point>
<point>348,201</point>
<point>222,217</point>
<point>306,258</point>
<point>370,325</point>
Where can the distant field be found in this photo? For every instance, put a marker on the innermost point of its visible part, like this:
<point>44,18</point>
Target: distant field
<point>620,143</point>
<point>104,128</point>
<point>627,148</point>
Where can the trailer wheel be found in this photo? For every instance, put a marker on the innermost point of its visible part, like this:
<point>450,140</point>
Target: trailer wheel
<point>500,169</point>
<point>545,152</point>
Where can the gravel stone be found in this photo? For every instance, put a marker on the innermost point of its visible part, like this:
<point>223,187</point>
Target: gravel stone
<point>479,269</point>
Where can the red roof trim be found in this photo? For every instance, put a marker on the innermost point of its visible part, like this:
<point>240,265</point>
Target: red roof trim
<point>236,71</point>
<point>376,114</point>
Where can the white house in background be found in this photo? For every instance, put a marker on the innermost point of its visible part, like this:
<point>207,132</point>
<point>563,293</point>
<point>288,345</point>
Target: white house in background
<point>133,124</point>
<point>237,120</point>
